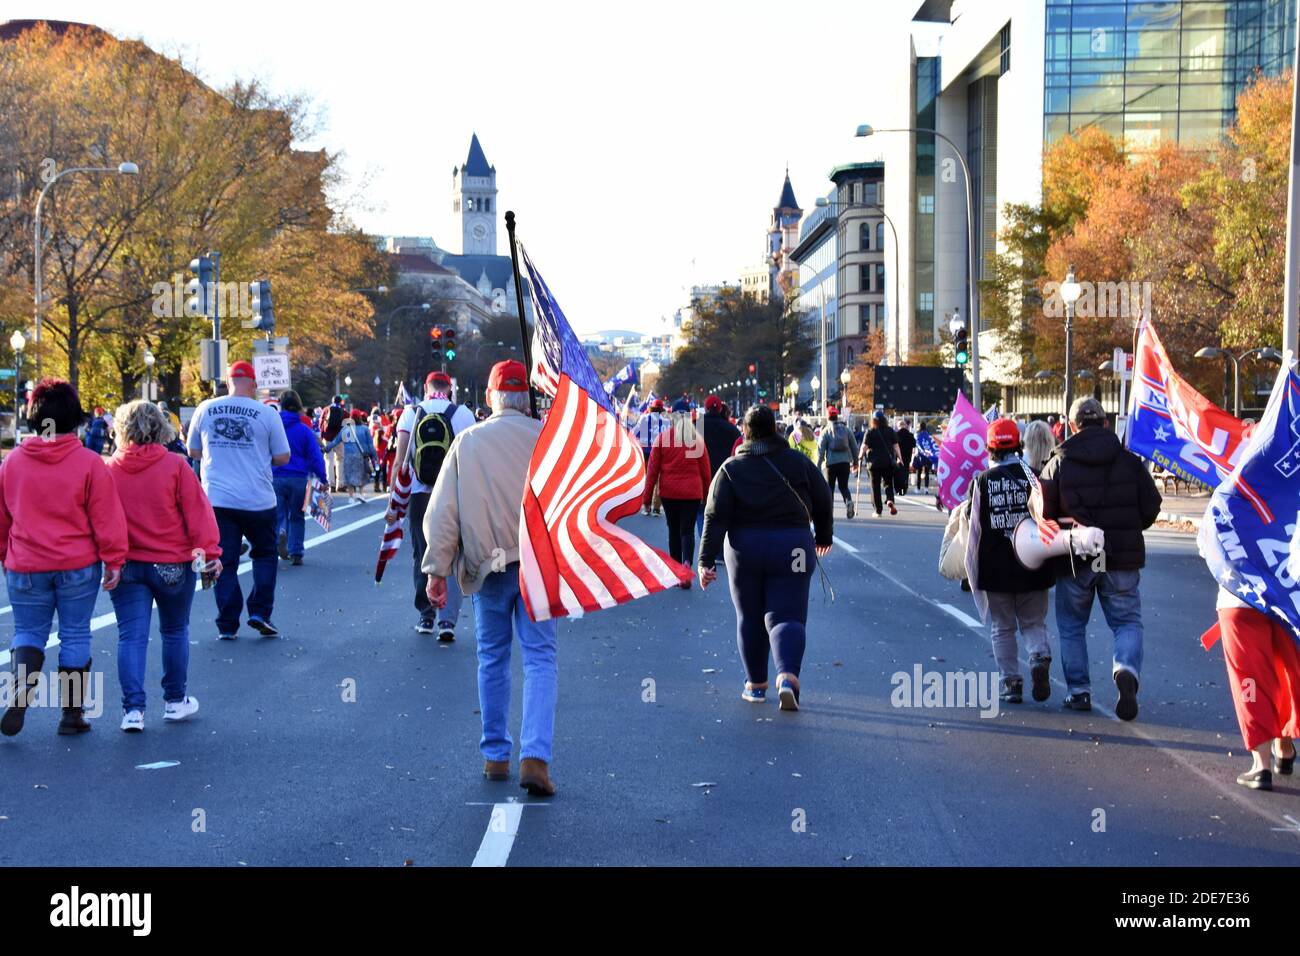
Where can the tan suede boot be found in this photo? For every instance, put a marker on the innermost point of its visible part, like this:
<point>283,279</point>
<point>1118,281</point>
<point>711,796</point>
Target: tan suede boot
<point>535,778</point>
<point>496,769</point>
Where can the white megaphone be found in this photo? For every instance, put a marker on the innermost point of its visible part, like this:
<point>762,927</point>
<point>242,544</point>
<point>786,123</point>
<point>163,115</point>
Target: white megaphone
<point>1032,552</point>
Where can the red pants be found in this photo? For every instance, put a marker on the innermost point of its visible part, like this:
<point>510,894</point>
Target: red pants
<point>1264,671</point>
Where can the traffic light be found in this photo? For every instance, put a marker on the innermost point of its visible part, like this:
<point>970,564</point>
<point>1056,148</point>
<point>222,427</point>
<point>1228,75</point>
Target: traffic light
<point>201,289</point>
<point>752,368</point>
<point>435,344</point>
<point>260,302</point>
<point>960,339</point>
<point>449,342</point>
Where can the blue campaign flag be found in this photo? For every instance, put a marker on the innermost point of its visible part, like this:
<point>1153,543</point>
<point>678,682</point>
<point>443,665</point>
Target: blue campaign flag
<point>926,446</point>
<point>626,374</point>
<point>1249,527</point>
<point>650,400</point>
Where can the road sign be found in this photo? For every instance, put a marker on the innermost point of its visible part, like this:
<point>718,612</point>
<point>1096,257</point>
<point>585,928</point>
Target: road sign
<point>272,372</point>
<point>7,373</point>
<point>212,359</point>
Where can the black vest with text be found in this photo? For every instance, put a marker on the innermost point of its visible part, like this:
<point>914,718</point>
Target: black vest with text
<point>1004,497</point>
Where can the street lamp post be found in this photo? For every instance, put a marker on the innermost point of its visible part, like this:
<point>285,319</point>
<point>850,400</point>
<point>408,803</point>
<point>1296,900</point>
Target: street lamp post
<point>122,169</point>
<point>388,321</point>
<point>972,287</point>
<point>1070,291</point>
<point>147,388</point>
<point>17,342</point>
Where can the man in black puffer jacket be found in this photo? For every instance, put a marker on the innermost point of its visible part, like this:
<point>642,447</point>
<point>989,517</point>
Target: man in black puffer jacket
<point>1092,479</point>
<point>720,437</point>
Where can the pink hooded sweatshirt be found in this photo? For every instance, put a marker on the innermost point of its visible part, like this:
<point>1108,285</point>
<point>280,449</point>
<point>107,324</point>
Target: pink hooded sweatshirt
<point>59,510</point>
<point>168,516</point>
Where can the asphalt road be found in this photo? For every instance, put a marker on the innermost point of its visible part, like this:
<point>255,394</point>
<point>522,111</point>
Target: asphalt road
<point>658,760</point>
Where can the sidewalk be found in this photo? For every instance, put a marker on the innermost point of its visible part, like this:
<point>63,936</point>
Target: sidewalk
<point>1184,510</point>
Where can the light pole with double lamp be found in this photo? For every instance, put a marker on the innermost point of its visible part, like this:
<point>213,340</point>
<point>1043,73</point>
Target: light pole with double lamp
<point>122,169</point>
<point>1266,354</point>
<point>972,254</point>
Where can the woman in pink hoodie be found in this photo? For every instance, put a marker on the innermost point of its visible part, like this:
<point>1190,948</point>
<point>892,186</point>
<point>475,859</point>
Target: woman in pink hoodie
<point>62,534</point>
<point>173,537</point>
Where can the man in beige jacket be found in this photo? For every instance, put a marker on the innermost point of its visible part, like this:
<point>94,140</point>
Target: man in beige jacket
<point>472,529</point>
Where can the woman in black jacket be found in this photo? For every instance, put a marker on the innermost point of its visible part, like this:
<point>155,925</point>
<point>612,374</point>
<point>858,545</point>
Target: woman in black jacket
<point>762,502</point>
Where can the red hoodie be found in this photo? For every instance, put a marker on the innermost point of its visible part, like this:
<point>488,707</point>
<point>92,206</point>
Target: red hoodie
<point>682,472</point>
<point>58,508</point>
<point>168,515</point>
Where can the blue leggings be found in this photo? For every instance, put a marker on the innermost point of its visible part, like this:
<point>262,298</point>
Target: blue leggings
<point>769,571</point>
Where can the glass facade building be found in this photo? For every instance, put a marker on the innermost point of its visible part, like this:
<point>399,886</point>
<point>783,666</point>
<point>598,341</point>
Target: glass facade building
<point>1151,71</point>
<point>925,116</point>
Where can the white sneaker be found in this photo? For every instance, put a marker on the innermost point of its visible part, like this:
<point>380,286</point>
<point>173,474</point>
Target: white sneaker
<point>133,721</point>
<point>181,709</point>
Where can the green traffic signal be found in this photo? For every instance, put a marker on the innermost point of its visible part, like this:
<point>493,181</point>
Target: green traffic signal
<point>963,357</point>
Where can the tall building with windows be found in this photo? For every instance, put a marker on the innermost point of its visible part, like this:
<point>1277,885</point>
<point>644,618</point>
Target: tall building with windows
<point>474,197</point>
<point>1003,79</point>
<point>843,247</point>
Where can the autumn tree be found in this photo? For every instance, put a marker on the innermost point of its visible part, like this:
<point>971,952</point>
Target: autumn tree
<point>730,332</point>
<point>218,170</point>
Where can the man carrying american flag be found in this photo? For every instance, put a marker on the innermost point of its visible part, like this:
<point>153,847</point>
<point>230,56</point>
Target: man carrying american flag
<point>472,530</point>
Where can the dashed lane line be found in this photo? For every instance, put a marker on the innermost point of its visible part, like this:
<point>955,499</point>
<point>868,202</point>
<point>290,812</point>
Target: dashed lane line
<point>503,827</point>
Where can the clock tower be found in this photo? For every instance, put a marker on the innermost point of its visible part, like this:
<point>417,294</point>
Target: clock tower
<point>474,201</point>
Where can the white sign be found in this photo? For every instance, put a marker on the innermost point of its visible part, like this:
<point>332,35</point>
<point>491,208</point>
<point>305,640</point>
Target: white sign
<point>272,372</point>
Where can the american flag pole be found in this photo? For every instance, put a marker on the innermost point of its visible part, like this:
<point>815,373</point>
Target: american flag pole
<point>523,323</point>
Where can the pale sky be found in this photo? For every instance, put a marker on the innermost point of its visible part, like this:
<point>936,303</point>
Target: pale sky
<point>629,140</point>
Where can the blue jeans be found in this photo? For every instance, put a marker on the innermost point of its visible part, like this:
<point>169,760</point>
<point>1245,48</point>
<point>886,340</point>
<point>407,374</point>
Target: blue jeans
<point>258,527</point>
<point>290,492</point>
<point>498,606</point>
<point>36,596</point>
<point>133,601</point>
<point>1121,602</point>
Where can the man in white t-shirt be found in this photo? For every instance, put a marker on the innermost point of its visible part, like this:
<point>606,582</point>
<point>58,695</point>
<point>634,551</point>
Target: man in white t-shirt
<point>437,390</point>
<point>239,439</point>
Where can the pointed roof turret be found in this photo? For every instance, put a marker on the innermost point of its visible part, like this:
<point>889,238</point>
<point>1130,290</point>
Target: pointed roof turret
<point>476,163</point>
<point>787,194</point>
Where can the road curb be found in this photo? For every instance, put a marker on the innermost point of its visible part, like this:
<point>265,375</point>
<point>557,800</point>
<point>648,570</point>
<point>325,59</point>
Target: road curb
<point>1173,517</point>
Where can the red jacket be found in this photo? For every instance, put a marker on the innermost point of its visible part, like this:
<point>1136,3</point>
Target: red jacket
<point>59,510</point>
<point>682,471</point>
<point>168,516</point>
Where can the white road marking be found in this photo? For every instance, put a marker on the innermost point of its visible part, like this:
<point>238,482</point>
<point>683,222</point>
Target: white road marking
<point>845,545</point>
<point>246,567</point>
<point>961,616</point>
<point>503,827</point>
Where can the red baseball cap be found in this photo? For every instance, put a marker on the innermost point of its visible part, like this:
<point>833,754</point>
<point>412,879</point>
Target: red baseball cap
<point>832,411</point>
<point>508,376</point>
<point>658,405</point>
<point>440,378</point>
<point>1003,434</point>
<point>242,370</point>
<point>712,404</point>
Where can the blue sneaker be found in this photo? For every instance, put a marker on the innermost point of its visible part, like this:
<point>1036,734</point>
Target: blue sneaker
<point>788,694</point>
<point>755,695</point>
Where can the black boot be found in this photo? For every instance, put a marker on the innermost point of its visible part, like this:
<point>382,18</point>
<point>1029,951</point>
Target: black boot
<point>27,664</point>
<point>74,682</point>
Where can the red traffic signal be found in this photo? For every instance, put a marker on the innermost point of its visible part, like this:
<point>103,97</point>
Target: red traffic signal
<point>435,332</point>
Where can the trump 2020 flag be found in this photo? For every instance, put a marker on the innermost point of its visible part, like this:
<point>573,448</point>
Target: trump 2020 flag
<point>626,374</point>
<point>587,472</point>
<point>1175,426</point>
<point>1250,525</point>
<point>963,452</point>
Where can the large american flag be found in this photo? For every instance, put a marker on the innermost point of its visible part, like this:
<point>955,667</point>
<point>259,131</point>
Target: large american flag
<point>585,475</point>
